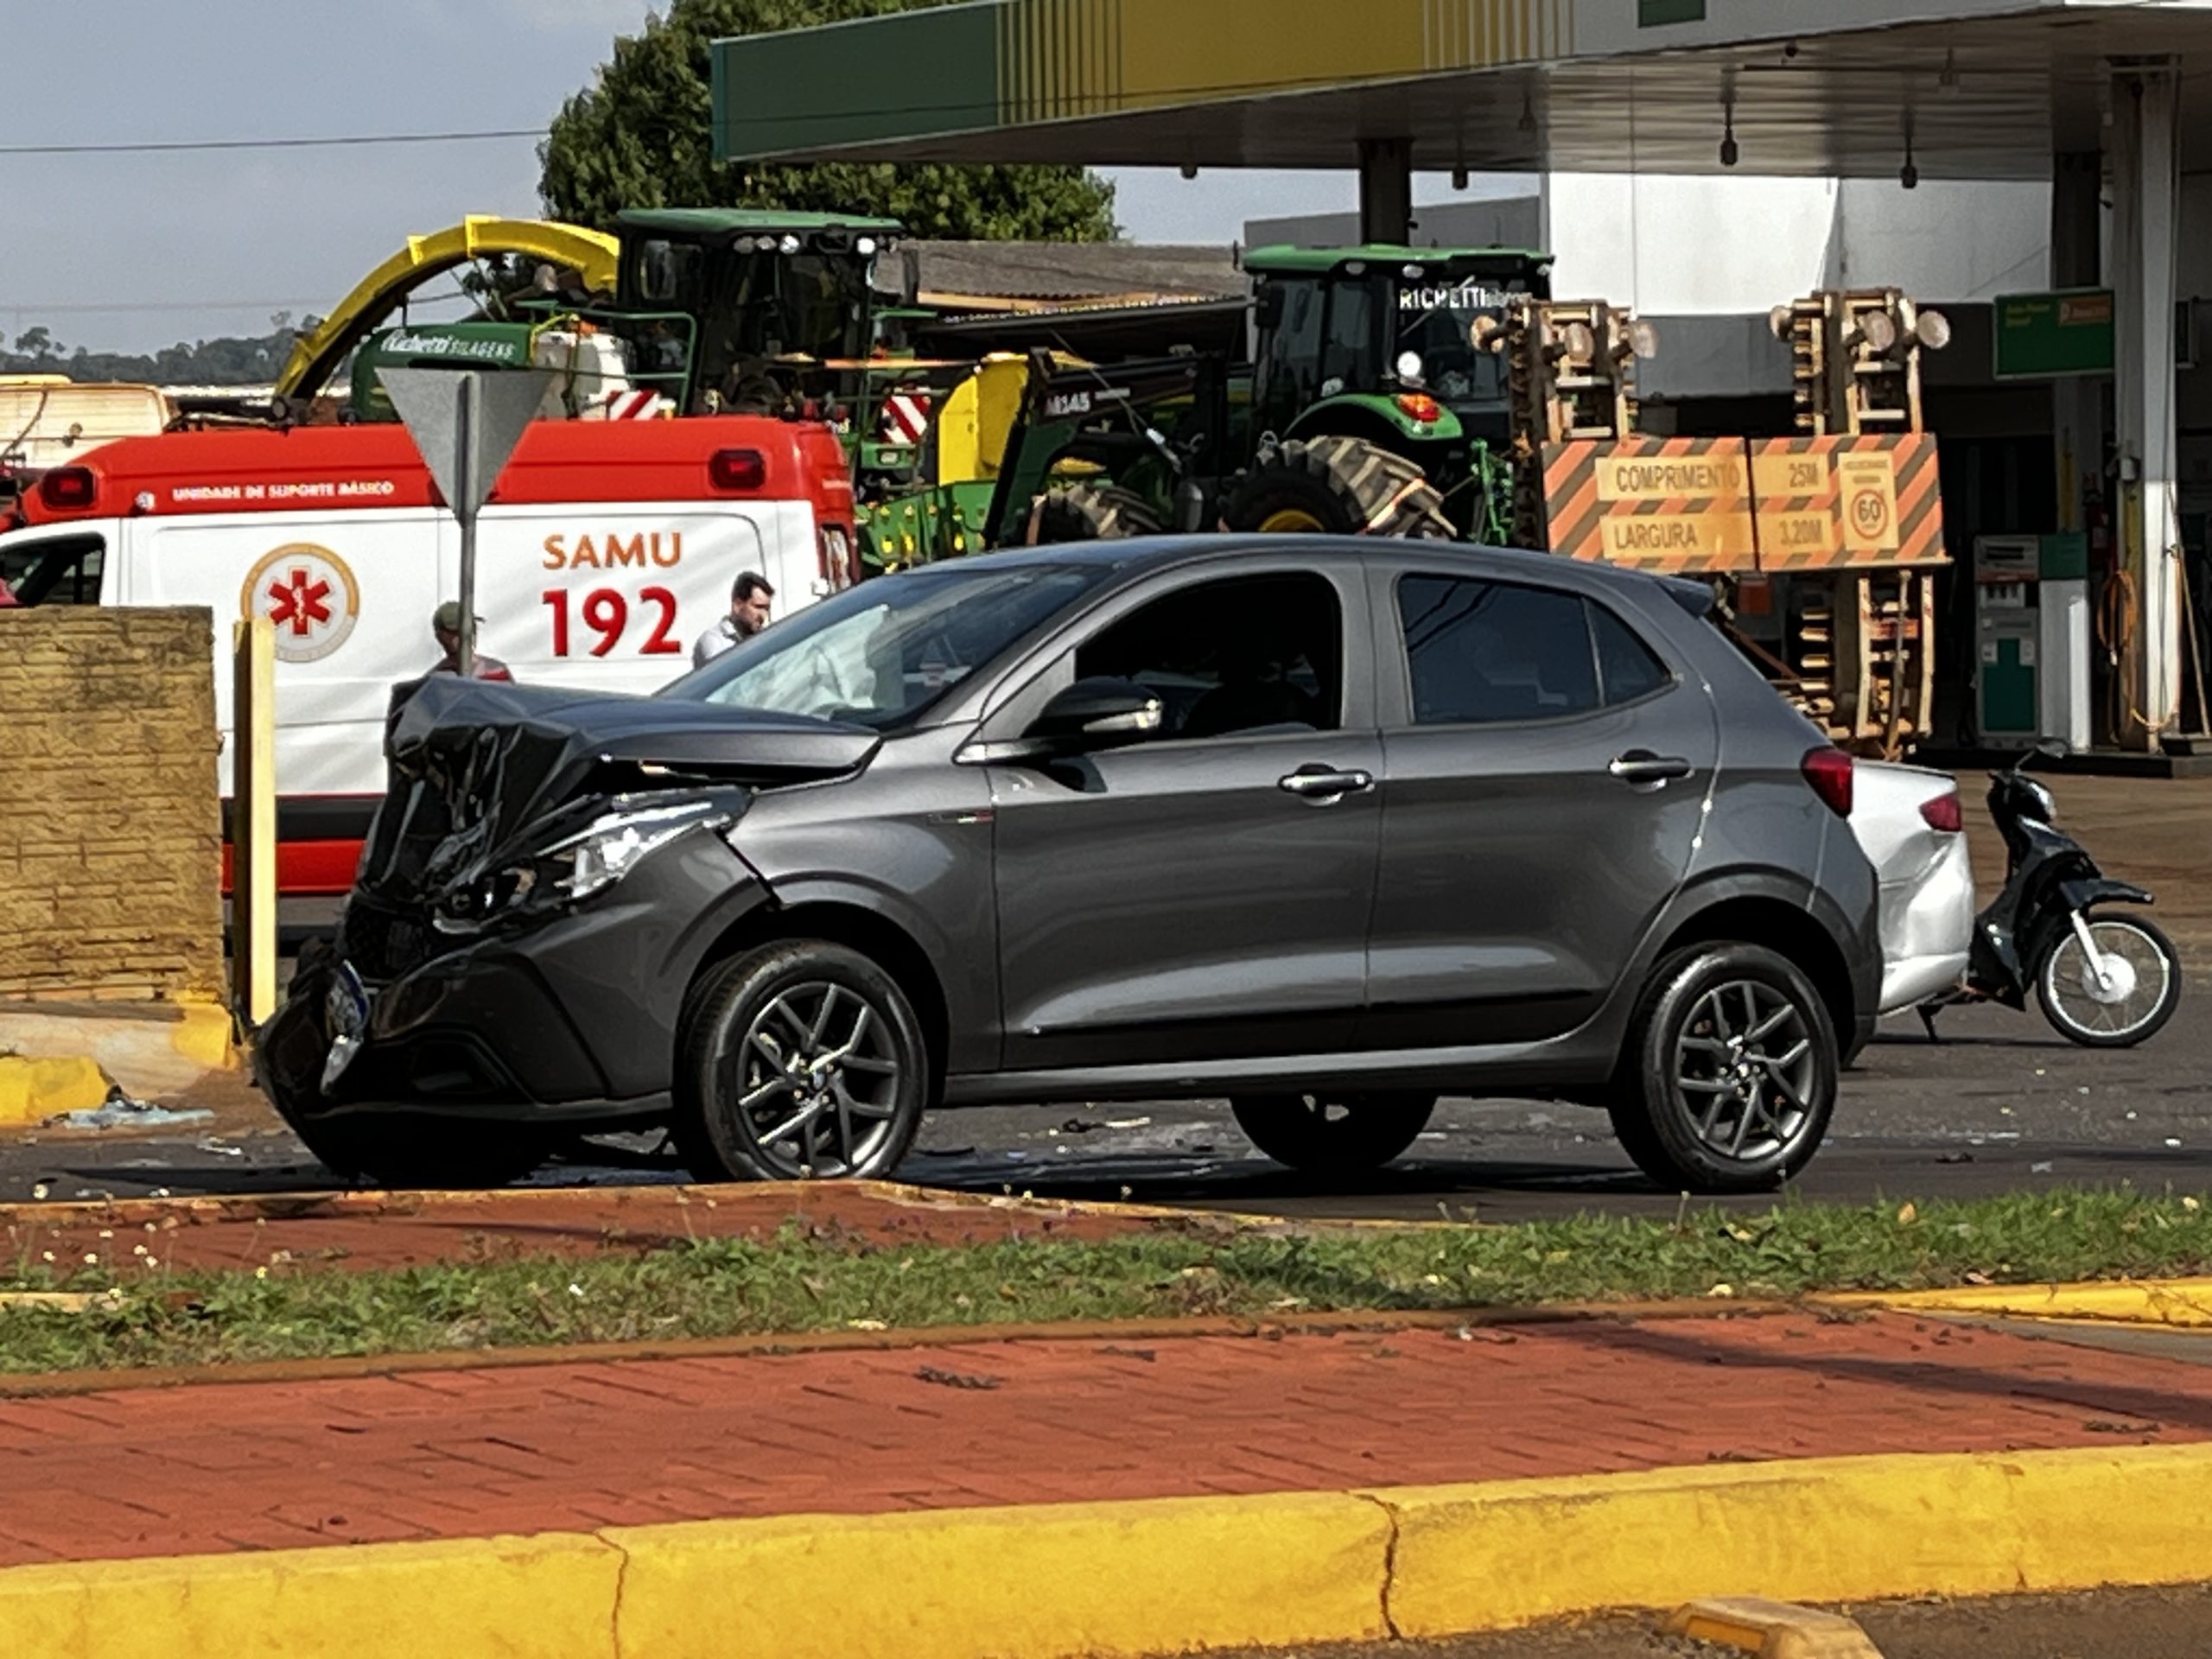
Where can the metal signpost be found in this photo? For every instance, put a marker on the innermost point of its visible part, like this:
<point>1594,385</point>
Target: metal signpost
<point>467,422</point>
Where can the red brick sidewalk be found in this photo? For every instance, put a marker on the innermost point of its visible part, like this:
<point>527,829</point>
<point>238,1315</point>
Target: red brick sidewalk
<point>360,1231</point>
<point>223,1467</point>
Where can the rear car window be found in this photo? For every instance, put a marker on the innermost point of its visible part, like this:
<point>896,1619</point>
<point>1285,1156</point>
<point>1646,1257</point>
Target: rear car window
<point>1490,652</point>
<point>1625,663</point>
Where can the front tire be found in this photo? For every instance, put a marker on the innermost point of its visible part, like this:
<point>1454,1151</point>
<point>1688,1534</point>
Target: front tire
<point>800,1061</point>
<point>1333,1133</point>
<point>1729,1079</point>
<point>1336,486</point>
<point>2144,986</point>
<point>1094,512</point>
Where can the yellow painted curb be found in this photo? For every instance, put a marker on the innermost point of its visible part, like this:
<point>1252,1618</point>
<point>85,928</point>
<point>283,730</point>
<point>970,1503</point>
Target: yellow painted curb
<point>1106,1580</point>
<point>33,1091</point>
<point>1772,1629</point>
<point>1837,1529</point>
<point>548,1598</point>
<point>204,1035</point>
<point>1042,1583</point>
<point>2178,1302</point>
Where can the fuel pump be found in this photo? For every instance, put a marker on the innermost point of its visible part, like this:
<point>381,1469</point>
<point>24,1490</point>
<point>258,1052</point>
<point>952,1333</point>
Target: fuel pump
<point>2032,639</point>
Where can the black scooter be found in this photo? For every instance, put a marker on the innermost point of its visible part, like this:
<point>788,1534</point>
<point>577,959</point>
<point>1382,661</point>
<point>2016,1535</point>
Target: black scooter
<point>2104,980</point>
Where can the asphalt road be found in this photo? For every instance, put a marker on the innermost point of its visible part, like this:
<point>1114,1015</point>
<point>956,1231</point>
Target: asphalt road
<point>2110,1624</point>
<point>2002,1104</point>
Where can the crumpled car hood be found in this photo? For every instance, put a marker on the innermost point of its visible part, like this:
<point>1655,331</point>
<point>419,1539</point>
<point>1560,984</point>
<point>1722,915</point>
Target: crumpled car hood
<point>476,768</point>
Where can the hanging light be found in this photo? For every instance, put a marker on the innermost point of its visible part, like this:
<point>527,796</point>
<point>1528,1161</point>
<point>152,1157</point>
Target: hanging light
<point>1730,153</point>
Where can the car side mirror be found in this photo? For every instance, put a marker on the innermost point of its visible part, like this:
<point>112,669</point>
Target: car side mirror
<point>1097,713</point>
<point>1268,308</point>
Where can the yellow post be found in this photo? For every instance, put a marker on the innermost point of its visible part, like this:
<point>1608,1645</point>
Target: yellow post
<point>253,820</point>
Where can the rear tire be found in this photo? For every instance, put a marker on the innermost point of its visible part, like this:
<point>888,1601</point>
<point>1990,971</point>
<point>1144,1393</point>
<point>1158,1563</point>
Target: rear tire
<point>2070,1002</point>
<point>1094,512</point>
<point>800,1061</point>
<point>1728,1080</point>
<point>1333,1133</point>
<point>1336,486</point>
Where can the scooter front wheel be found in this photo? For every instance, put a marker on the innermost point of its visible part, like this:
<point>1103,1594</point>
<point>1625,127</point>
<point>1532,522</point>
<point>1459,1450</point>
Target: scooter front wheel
<point>2122,998</point>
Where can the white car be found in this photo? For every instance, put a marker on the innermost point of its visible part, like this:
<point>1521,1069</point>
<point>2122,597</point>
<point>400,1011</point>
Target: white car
<point>1908,822</point>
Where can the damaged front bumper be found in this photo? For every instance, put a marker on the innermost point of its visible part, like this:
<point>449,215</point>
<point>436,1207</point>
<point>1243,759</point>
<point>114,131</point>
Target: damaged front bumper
<point>567,1016</point>
<point>546,875</point>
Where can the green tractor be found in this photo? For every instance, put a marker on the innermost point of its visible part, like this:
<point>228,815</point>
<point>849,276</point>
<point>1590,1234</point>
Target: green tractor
<point>1373,405</point>
<point>1371,361</point>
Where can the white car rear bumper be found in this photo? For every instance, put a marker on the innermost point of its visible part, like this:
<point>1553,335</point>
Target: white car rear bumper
<point>1927,925</point>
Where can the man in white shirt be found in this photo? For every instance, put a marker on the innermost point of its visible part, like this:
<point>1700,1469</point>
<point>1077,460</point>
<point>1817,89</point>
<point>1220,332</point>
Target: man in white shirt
<point>748,614</point>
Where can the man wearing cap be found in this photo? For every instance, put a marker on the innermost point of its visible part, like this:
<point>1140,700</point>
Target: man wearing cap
<point>748,614</point>
<point>446,625</point>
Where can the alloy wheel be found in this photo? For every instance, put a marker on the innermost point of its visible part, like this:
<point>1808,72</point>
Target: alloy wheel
<point>819,1077</point>
<point>1746,1067</point>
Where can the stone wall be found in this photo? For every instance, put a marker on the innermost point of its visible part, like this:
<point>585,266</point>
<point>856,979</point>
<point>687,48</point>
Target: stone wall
<point>111,836</point>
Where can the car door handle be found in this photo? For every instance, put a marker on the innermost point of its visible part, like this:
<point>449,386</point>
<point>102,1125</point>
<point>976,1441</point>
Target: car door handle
<point>1324,783</point>
<point>1642,767</point>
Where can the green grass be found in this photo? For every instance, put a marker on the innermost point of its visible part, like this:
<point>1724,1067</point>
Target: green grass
<point>803,1284</point>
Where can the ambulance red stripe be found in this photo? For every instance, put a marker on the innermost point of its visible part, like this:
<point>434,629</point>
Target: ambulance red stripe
<point>311,469</point>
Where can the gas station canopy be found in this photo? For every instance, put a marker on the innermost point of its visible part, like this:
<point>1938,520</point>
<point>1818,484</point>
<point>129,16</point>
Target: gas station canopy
<point>1977,89</point>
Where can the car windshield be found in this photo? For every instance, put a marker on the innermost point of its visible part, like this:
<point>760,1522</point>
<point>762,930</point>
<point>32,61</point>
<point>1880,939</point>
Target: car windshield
<point>880,653</point>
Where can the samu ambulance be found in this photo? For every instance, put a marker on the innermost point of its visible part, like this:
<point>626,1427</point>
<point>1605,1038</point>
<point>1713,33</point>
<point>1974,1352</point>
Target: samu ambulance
<point>608,547</point>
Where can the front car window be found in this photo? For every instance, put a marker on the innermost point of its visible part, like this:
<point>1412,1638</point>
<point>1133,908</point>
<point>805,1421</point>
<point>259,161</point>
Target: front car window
<point>879,654</point>
<point>1236,654</point>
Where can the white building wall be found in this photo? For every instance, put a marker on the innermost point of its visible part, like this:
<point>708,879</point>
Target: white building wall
<point>1677,246</point>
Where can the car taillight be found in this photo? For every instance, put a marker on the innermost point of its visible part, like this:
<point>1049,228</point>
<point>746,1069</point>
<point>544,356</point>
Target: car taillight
<point>1829,772</point>
<point>738,469</point>
<point>68,489</point>
<point>1942,813</point>
<point>1419,406</point>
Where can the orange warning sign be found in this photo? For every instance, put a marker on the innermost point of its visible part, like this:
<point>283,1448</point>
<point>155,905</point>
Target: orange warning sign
<point>1673,506</point>
<point>1831,503</point>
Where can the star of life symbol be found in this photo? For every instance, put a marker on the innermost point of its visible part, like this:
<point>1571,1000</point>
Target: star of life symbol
<point>298,602</point>
<point>309,597</point>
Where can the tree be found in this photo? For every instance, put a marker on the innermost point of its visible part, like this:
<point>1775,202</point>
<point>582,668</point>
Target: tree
<point>38,343</point>
<point>641,136</point>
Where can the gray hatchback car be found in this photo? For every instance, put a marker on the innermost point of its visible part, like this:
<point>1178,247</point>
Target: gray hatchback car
<point>1327,827</point>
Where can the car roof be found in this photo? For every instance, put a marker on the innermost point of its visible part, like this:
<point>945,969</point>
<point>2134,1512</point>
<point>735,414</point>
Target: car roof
<point>1140,555</point>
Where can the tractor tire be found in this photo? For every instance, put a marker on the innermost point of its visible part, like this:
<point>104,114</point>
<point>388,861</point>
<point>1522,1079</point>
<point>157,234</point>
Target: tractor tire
<point>1336,486</point>
<point>1094,512</point>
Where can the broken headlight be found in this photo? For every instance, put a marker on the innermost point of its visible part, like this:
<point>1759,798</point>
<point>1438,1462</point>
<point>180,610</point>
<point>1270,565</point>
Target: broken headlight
<point>576,866</point>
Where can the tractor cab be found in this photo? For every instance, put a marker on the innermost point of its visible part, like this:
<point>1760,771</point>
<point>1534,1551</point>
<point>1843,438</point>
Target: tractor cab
<point>754,309</point>
<point>1383,322</point>
<point>1386,344</point>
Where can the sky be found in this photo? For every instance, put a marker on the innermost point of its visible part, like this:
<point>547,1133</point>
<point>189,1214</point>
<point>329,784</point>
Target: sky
<point>133,252</point>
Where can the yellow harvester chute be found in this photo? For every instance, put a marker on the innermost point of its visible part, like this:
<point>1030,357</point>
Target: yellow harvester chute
<point>316,356</point>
